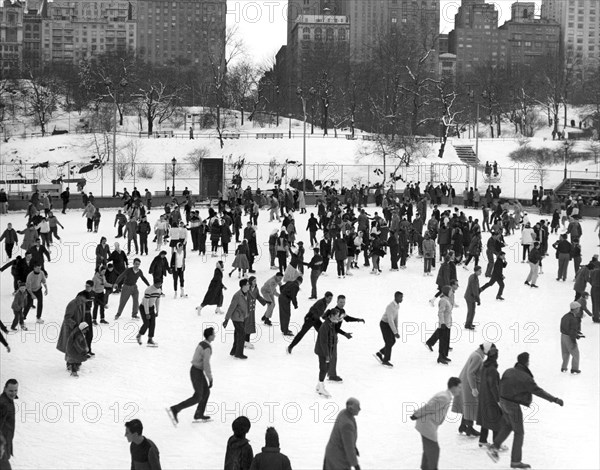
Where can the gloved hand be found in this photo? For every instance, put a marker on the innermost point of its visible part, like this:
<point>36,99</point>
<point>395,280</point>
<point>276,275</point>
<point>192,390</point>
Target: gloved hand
<point>413,418</point>
<point>397,335</point>
<point>210,383</point>
<point>225,324</point>
<point>348,335</point>
<point>559,402</point>
<point>362,320</point>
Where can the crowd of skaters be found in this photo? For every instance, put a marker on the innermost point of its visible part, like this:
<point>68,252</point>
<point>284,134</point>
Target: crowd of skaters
<point>397,232</point>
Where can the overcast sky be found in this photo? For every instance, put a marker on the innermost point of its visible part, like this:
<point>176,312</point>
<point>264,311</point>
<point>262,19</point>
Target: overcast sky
<point>263,22</point>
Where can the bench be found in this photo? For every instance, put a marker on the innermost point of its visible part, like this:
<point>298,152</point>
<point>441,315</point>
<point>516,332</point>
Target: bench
<point>230,136</point>
<point>270,135</point>
<point>369,137</point>
<point>163,134</point>
<point>350,137</point>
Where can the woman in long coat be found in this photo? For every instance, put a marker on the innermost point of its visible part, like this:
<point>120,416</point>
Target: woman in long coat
<point>250,322</point>
<point>214,294</point>
<point>489,414</point>
<point>466,403</point>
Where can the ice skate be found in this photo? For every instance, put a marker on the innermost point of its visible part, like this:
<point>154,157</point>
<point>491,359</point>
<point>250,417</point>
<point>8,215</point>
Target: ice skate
<point>139,339</point>
<point>199,310</point>
<point>322,391</point>
<point>151,343</point>
<point>519,465</point>
<point>493,454</point>
<point>172,416</point>
<point>379,357</point>
<point>175,295</point>
<point>183,294</point>
<point>202,419</point>
<point>248,345</point>
<point>74,374</point>
<point>218,311</point>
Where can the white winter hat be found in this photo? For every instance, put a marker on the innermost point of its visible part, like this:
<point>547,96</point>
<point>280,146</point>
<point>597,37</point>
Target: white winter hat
<point>487,346</point>
<point>83,325</point>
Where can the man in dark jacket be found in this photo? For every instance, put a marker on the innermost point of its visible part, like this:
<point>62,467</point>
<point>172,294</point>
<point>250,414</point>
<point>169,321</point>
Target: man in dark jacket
<point>497,276</point>
<point>315,265</point>
<point>569,334</point>
<point>341,451</point>
<point>472,297</point>
<point>159,267</point>
<point>143,231</point>
<point>65,196</point>
<point>271,457</point>
<point>144,453</point>
<point>534,259</point>
<point>312,319</point>
<point>288,295</point>
<point>563,255</point>
<point>38,252</point>
<point>516,387</point>
<point>7,417</point>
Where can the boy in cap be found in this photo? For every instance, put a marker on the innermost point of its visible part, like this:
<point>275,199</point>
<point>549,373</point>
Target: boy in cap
<point>271,456</point>
<point>239,451</point>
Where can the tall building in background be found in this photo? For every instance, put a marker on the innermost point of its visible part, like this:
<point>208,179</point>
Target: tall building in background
<point>580,29</point>
<point>73,30</point>
<point>476,39</point>
<point>530,37</point>
<point>11,37</point>
<point>32,35</point>
<point>370,19</point>
<point>181,32</point>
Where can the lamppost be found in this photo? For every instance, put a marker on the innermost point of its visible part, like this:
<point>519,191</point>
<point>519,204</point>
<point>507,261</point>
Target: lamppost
<point>173,162</point>
<point>115,90</point>
<point>300,94</point>
<point>566,156</point>
<point>290,131</point>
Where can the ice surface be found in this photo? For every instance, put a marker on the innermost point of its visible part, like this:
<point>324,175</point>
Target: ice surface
<point>128,381</point>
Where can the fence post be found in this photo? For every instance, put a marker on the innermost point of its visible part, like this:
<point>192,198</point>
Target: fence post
<point>515,184</point>
<point>342,178</point>
<point>165,176</point>
<point>368,176</point>
<point>257,175</point>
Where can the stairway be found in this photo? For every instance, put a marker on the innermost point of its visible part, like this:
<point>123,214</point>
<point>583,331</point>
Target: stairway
<point>586,188</point>
<point>466,155</point>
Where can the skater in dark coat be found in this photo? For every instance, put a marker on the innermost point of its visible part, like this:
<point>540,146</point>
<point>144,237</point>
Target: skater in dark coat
<point>516,387</point>
<point>489,414</point>
<point>10,238</point>
<point>341,451</point>
<point>288,295</point>
<point>239,451</point>
<point>271,458</point>
<point>312,319</point>
<point>472,297</point>
<point>250,323</point>
<point>74,315</point>
<point>7,417</point>
<point>446,274</point>
<point>214,293</point>
<point>326,346</point>
<point>497,276</point>
<point>238,312</point>
<point>159,268</point>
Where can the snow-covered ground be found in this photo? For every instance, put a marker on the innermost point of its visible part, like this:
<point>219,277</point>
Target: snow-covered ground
<point>346,161</point>
<point>78,423</point>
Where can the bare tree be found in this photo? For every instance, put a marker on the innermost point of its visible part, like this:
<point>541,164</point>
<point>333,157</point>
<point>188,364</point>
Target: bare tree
<point>41,95</point>
<point>196,156</point>
<point>447,99</point>
<point>242,84</point>
<point>220,60</point>
<point>156,98</point>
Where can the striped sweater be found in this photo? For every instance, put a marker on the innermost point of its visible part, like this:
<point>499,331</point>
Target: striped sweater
<point>151,299</point>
